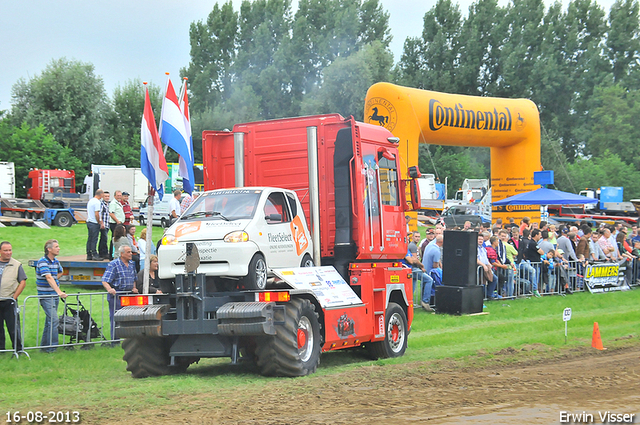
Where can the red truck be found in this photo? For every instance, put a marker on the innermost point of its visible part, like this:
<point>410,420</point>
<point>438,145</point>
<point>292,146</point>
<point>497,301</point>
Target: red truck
<point>346,175</point>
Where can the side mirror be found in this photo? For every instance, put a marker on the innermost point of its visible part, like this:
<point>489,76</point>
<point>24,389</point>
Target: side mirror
<point>414,172</point>
<point>415,194</point>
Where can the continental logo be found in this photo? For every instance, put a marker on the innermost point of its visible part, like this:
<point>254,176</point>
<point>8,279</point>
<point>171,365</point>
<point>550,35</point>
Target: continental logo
<point>608,271</point>
<point>380,110</point>
<point>515,208</point>
<point>458,117</point>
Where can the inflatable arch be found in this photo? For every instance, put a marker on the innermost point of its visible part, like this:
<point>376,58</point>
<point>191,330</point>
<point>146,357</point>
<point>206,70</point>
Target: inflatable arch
<point>510,127</point>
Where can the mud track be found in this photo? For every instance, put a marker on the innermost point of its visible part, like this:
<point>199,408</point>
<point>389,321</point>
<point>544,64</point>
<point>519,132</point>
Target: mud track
<point>527,386</point>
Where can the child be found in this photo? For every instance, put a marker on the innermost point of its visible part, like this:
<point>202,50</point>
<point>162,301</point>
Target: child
<point>562,265</point>
<point>548,275</point>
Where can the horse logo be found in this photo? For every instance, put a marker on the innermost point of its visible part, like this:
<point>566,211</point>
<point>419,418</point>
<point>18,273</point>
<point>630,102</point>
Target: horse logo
<point>381,111</point>
<point>382,119</point>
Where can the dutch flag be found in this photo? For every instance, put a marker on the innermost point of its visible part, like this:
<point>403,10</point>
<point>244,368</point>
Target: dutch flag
<point>152,161</point>
<point>174,132</point>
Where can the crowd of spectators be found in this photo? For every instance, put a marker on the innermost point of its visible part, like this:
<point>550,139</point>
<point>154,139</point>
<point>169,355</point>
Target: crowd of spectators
<point>530,258</point>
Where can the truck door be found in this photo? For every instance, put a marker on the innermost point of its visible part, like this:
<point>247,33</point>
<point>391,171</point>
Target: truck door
<point>278,244</point>
<point>383,213</point>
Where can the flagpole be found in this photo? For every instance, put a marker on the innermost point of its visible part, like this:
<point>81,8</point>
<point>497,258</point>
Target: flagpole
<point>149,241</point>
<point>166,86</point>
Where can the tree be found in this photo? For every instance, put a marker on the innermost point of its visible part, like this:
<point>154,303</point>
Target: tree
<point>70,101</point>
<point>347,80</point>
<point>29,147</point>
<point>451,162</point>
<point>623,41</point>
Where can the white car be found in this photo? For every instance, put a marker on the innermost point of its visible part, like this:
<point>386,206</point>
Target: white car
<point>240,233</point>
<point>161,210</point>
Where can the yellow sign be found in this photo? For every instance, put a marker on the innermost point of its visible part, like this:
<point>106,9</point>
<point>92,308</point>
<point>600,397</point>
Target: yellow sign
<point>395,278</point>
<point>510,127</point>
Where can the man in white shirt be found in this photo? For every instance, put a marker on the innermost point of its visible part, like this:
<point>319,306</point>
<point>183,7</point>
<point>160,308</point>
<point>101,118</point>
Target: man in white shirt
<point>174,205</point>
<point>94,222</point>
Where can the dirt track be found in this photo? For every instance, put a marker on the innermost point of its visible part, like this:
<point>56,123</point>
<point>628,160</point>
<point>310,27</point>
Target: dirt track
<point>531,391</point>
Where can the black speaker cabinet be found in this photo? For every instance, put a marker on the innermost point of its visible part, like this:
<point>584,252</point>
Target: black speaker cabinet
<point>459,258</point>
<point>459,299</point>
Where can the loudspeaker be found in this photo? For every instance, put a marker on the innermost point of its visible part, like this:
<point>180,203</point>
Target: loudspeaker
<point>459,299</point>
<point>459,258</point>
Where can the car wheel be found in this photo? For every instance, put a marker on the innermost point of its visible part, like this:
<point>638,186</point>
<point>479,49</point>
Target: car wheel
<point>307,261</point>
<point>163,222</point>
<point>257,277</point>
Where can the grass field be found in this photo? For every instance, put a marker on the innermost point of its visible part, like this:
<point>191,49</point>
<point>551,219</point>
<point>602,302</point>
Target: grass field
<point>95,381</point>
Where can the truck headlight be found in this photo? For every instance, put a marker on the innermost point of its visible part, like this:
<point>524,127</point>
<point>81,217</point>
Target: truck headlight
<point>169,240</point>
<point>237,236</point>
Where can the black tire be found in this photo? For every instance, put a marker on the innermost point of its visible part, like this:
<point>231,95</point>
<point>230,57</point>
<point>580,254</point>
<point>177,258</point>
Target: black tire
<point>63,219</point>
<point>149,356</point>
<point>307,261</point>
<point>295,348</point>
<point>163,222</point>
<point>394,343</point>
<point>257,276</point>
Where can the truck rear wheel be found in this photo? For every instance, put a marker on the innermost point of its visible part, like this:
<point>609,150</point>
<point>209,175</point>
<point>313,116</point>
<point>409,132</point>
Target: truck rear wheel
<point>394,343</point>
<point>149,356</point>
<point>295,348</point>
<point>63,219</point>
<point>257,277</point>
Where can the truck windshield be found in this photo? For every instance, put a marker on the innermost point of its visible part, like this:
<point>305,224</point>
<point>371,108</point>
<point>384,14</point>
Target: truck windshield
<point>231,204</point>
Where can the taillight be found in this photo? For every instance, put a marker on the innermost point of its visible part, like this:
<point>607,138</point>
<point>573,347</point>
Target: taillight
<point>135,300</point>
<point>271,296</point>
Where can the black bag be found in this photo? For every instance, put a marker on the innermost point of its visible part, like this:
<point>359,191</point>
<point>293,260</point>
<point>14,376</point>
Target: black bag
<point>69,325</point>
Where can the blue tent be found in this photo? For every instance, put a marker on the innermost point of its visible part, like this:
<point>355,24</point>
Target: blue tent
<point>545,196</point>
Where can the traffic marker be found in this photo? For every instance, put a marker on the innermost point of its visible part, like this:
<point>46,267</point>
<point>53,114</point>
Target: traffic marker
<point>596,341</point>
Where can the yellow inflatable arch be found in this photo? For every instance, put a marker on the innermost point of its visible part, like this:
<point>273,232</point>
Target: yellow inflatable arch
<point>510,127</point>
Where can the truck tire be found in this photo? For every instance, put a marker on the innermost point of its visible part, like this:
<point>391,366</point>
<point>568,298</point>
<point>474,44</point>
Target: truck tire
<point>394,343</point>
<point>307,261</point>
<point>149,356</point>
<point>63,219</point>
<point>295,348</point>
<point>257,276</point>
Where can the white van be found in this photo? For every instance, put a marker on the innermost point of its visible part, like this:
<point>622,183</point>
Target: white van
<point>161,210</point>
<point>240,234</point>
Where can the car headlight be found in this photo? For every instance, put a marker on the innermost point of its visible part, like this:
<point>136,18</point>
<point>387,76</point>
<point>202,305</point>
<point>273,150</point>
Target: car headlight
<point>169,240</point>
<point>237,236</point>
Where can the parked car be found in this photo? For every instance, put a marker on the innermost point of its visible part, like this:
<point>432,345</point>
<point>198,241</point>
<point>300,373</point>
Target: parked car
<point>456,216</point>
<point>161,211</point>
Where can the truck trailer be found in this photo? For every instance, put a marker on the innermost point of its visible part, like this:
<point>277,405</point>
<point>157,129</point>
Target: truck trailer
<point>346,177</point>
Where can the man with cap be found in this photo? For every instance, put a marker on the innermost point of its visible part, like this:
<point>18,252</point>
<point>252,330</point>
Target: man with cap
<point>126,207</point>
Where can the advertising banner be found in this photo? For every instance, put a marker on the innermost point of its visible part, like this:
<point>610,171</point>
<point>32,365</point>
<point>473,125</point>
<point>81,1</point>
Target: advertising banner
<point>325,282</point>
<point>605,277</point>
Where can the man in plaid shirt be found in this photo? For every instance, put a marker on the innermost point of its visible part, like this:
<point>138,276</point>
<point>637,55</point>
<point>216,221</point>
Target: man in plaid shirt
<point>103,246</point>
<point>120,276</point>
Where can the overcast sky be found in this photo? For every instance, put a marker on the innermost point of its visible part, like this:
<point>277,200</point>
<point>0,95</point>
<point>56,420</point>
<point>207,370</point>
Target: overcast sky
<point>133,38</point>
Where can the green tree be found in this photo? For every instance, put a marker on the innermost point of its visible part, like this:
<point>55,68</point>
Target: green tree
<point>453,163</point>
<point>70,101</point>
<point>347,80</point>
<point>623,41</point>
<point>614,124</point>
<point>29,147</point>
<point>606,170</point>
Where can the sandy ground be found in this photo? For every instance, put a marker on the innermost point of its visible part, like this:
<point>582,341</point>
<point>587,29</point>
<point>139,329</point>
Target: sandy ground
<point>527,386</point>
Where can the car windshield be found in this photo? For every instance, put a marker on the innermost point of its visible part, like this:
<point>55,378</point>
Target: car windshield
<point>228,204</point>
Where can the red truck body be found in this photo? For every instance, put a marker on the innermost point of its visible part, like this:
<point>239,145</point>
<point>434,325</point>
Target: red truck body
<point>275,154</point>
<point>50,181</point>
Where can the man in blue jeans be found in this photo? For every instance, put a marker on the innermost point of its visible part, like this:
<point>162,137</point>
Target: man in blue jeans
<point>47,271</point>
<point>411,260</point>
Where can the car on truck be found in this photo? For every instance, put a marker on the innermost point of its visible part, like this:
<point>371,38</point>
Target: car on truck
<point>347,179</point>
<point>238,232</point>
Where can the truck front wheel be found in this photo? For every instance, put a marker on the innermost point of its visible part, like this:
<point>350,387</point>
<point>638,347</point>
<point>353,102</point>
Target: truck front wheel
<point>394,343</point>
<point>257,277</point>
<point>149,356</point>
<point>63,219</point>
<point>295,348</point>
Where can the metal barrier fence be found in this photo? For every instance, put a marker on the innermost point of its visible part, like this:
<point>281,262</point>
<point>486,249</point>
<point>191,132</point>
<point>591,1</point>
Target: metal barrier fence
<point>48,322</point>
<point>10,318</point>
<point>529,277</point>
